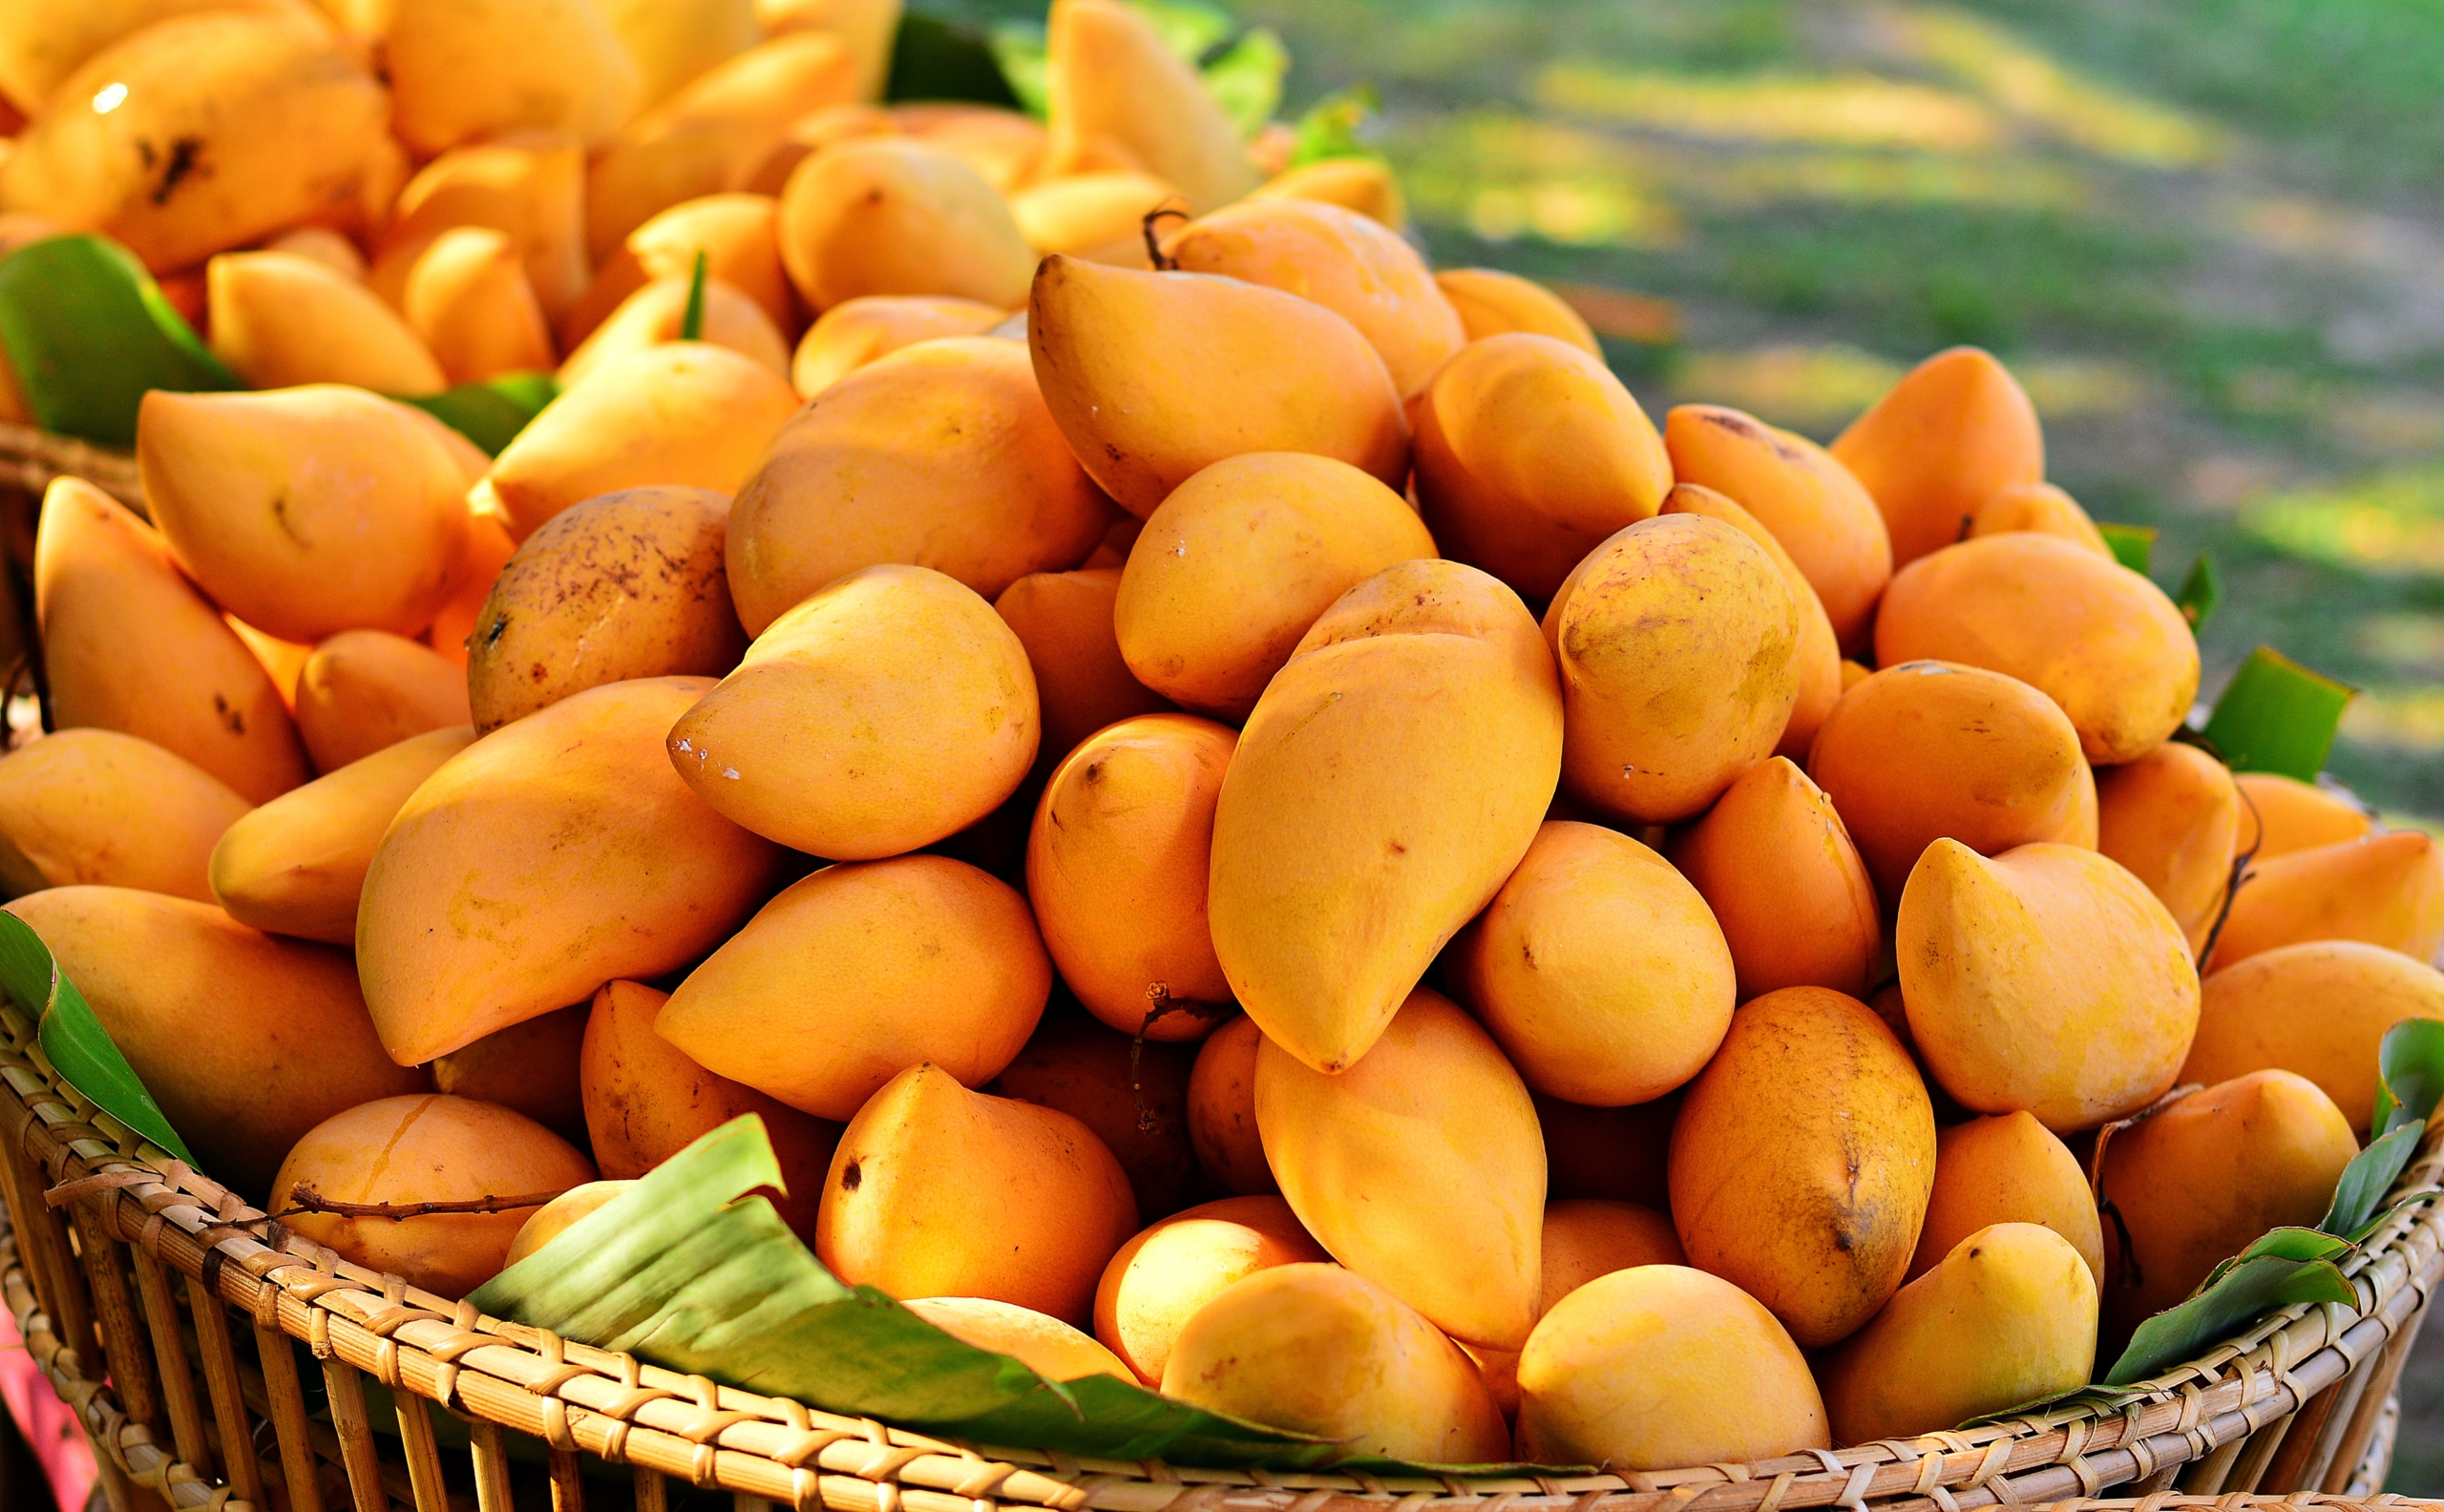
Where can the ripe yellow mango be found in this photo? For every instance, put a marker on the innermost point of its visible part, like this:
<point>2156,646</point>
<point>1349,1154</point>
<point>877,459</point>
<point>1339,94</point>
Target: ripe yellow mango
<point>1350,264</point>
<point>201,132</point>
<point>685,414</point>
<point>1082,684</point>
<point>1597,967</point>
<point>2044,509</point>
<point>890,709</point>
<point>278,319</point>
<point>1390,778</point>
<point>1045,1345</point>
<point>1109,76</point>
<point>890,216</point>
<point>1155,376</point>
<point>715,135</point>
<point>1530,454</point>
<point>1241,560</point>
<point>2007,1316</point>
<point>529,1068</point>
<point>304,512</point>
<point>1318,1350</point>
<point>1589,1237</point>
<point>1820,652</point>
<point>468,296</point>
<point>1222,1110</point>
<point>412,1149</point>
<point>297,865</point>
<point>561,1213</point>
<point>674,41</point>
<point>657,313</point>
<point>1679,644</point>
<point>1776,865</point>
<point>1803,1159</point>
<point>465,69</point>
<point>94,806</point>
<point>1794,487</point>
<point>1661,1367</point>
<point>861,971</point>
<point>2387,890</point>
<point>131,645</point>
<point>1099,217</point>
<point>865,27</point>
<point>628,585</point>
<point>1116,868</point>
<point>1420,1167</point>
<point>290,1047</point>
<point>2047,978</point>
<point>529,185</point>
<point>551,856</point>
<point>1164,1276</point>
<point>320,244</point>
<point>1006,146</point>
<point>854,332</point>
<point>1366,185</point>
<point>1925,750</point>
<point>367,690</point>
<point>646,1102</point>
<point>42,44</point>
<point>2007,1168</point>
<point>2286,814</point>
<point>2320,1008</point>
<point>2094,637</point>
<point>1954,432</point>
<point>2199,1181</point>
<point>2170,817</point>
<point>942,456</point>
<point>940,1191</point>
<point>1131,1094</point>
<point>738,234</point>
<point>1618,1154</point>
<point>1492,302</point>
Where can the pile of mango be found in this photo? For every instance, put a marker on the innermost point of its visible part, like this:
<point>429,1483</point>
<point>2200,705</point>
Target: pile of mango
<point>1244,817</point>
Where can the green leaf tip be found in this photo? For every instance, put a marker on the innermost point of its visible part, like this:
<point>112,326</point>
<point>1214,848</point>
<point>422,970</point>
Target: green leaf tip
<point>2277,716</point>
<point>491,413</point>
<point>1331,127</point>
<point>80,1049</point>
<point>2133,546</point>
<point>90,333</point>
<point>2256,1283</point>
<point>2200,591</point>
<point>691,326</point>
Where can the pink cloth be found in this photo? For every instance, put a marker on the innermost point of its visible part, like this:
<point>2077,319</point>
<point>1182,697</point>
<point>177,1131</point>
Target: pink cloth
<point>48,1424</point>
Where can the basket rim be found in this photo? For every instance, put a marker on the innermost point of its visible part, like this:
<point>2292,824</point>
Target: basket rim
<point>612,1405</point>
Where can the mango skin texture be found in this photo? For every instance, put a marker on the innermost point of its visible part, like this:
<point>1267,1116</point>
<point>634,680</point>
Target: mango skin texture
<point>1117,861</point>
<point>2171,817</point>
<point>1776,865</point>
<point>558,1216</point>
<point>2319,1009</point>
<point>1082,682</point>
<point>1589,1237</point>
<point>297,865</point>
<point>2007,1316</point>
<point>1222,1110</point>
<point>2044,509</point>
<point>1130,1095</point>
<point>854,974</point>
<point>1598,969</point>
<point>1530,453</point>
<point>94,806</point>
<point>1492,302</point>
<point>1803,1159</point>
<point>2096,638</point>
<point>1164,1276</point>
<point>890,709</point>
<point>940,455</point>
<point>2047,978</point>
<point>551,856</point>
<point>2201,1179</point>
<point>1954,432</point>
<point>293,1048</point>
<point>2006,1167</point>
<point>890,216</point>
<point>1928,750</point>
<point>1045,1345</point>
<point>1679,644</point>
<point>1391,777</point>
<point>364,691</point>
<point>1154,376</point>
<point>1421,1168</point>
<point>1664,1366</point>
<point>1820,681</point>
<point>940,1191</point>
<point>407,1150</point>
<point>2385,889</point>
<point>1319,1349</point>
<point>2286,814</point>
<point>858,331</point>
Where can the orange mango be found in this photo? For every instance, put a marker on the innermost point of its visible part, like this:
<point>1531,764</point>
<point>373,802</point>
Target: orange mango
<point>739,235</point>
<point>278,319</point>
<point>367,690</point>
<point>1045,1345</point>
<point>1586,1238</point>
<point>1164,1276</point>
<point>2044,509</point>
<point>2387,890</point>
<point>1109,78</point>
<point>469,297</point>
<point>2286,814</point>
<point>1222,1109</point>
<point>857,331</point>
<point>1081,682</point>
<point>1820,681</point>
<point>94,806</point>
<point>890,216</point>
<point>1098,217</point>
<point>2006,1167</point>
<point>2170,817</point>
<point>1777,867</point>
<point>1492,302</point>
<point>657,313</point>
<point>1367,185</point>
<point>1131,1094</point>
<point>529,1068</point>
<point>1951,434</point>
<point>2319,1009</point>
<point>529,185</point>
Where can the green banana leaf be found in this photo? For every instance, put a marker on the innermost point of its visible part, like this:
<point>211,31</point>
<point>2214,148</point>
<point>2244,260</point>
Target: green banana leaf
<point>75,1040</point>
<point>89,332</point>
<point>490,412</point>
<point>2277,716</point>
<point>2133,546</point>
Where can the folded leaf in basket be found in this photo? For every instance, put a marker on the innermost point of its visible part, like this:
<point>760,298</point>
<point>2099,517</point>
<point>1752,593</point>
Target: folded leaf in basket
<point>490,412</point>
<point>690,1272</point>
<point>2410,1083</point>
<point>2277,716</point>
<point>77,1045</point>
<point>89,332</point>
<point>2286,1268</point>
